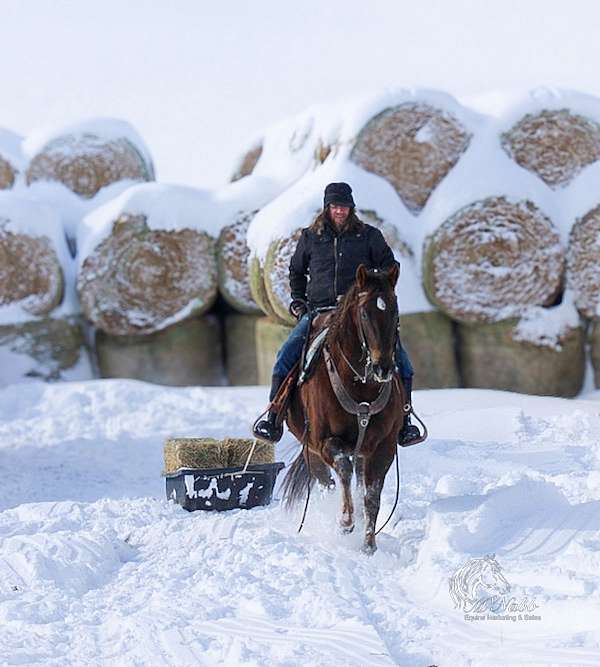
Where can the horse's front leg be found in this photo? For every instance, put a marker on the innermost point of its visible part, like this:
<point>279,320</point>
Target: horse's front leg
<point>376,467</point>
<point>336,454</point>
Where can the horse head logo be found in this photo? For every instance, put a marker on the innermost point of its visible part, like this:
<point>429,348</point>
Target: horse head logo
<point>479,585</point>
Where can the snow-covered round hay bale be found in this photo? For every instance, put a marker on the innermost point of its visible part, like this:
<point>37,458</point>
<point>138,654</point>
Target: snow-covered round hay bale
<point>258,289</point>
<point>413,146</point>
<point>543,353</point>
<point>46,349</point>
<point>89,156</point>
<point>554,144</point>
<point>428,338</point>
<point>270,336</point>
<point>11,158</point>
<point>583,262</point>
<point>492,258</point>
<point>247,162</point>
<point>240,349</point>
<point>33,252</point>
<point>277,275</point>
<point>233,257</point>
<point>146,260</point>
<point>184,354</point>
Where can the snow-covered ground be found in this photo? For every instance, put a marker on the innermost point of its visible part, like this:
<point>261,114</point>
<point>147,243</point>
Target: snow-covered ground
<point>98,568</point>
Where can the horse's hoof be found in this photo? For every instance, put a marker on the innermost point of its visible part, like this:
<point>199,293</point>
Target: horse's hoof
<point>346,530</point>
<point>369,549</point>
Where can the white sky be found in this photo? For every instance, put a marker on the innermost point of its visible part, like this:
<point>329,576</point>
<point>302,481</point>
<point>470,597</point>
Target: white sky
<point>198,78</point>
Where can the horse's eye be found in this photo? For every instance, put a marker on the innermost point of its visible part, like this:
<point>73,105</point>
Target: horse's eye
<point>363,314</point>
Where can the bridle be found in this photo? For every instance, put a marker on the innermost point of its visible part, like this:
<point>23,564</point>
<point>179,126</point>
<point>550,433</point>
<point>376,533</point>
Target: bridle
<point>363,318</point>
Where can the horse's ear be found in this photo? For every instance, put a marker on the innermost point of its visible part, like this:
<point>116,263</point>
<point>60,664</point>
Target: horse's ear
<point>393,273</point>
<point>361,276</point>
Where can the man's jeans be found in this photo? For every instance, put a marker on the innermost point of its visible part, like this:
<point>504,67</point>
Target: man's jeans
<point>291,351</point>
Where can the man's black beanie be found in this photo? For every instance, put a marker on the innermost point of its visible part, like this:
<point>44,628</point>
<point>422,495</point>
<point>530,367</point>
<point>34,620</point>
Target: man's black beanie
<point>338,193</point>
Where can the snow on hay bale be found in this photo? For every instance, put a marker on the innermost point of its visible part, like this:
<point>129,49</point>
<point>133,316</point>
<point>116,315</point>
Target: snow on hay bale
<point>88,156</point>
<point>33,252</point>
<point>11,158</point>
<point>186,353</point>
<point>543,352</point>
<point>247,162</point>
<point>583,262</point>
<point>233,257</point>
<point>491,258</point>
<point>147,259</point>
<point>46,349</point>
<point>413,145</point>
<point>208,453</point>
<point>554,134</point>
<point>240,349</point>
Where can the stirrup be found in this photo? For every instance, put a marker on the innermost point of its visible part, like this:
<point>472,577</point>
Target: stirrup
<point>267,429</point>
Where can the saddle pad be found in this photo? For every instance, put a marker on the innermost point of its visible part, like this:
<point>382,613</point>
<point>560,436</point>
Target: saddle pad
<point>312,355</point>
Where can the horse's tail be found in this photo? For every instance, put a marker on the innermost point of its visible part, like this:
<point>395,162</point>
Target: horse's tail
<point>297,482</point>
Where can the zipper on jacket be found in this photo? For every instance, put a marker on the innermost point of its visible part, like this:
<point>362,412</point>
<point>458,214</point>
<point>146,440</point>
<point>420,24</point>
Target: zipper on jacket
<point>335,269</point>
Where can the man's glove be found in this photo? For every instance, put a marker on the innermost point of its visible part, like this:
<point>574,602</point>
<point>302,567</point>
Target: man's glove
<point>298,308</point>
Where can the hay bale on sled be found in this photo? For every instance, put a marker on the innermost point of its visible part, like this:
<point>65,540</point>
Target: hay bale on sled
<point>247,162</point>
<point>270,336</point>
<point>186,353</point>
<point>491,259</point>
<point>413,146</point>
<point>553,144</point>
<point>240,349</point>
<point>209,453</point>
<point>233,255</point>
<point>90,157</point>
<point>46,349</point>
<point>138,280</point>
<point>428,338</point>
<point>583,260</point>
<point>502,356</point>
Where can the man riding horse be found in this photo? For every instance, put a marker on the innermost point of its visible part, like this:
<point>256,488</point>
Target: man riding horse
<point>322,269</point>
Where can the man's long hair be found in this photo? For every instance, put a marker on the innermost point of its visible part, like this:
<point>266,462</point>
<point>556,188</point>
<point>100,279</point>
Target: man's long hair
<point>352,223</point>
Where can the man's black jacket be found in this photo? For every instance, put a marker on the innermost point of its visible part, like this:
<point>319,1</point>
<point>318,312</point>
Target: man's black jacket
<point>326,262</point>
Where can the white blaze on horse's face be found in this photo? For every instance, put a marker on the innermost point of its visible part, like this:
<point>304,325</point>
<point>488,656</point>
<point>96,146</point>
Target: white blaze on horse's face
<point>381,303</point>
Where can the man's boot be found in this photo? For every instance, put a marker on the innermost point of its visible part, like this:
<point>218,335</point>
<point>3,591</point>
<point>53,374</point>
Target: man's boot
<point>267,429</point>
<point>409,431</point>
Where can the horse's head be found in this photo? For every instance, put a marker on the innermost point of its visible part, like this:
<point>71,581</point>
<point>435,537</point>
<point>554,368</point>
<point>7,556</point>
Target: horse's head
<point>376,317</point>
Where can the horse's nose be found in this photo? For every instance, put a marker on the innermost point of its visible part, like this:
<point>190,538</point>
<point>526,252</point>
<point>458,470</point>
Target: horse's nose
<point>382,373</point>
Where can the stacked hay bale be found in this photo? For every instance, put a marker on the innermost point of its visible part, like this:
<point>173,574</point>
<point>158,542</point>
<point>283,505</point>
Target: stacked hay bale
<point>582,209</point>
<point>147,264</point>
<point>88,156</point>
<point>11,158</point>
<point>39,337</point>
<point>413,145</point>
<point>493,261</point>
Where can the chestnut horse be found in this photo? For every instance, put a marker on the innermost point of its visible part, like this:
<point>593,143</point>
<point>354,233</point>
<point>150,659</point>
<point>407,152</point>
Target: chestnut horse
<point>349,412</point>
